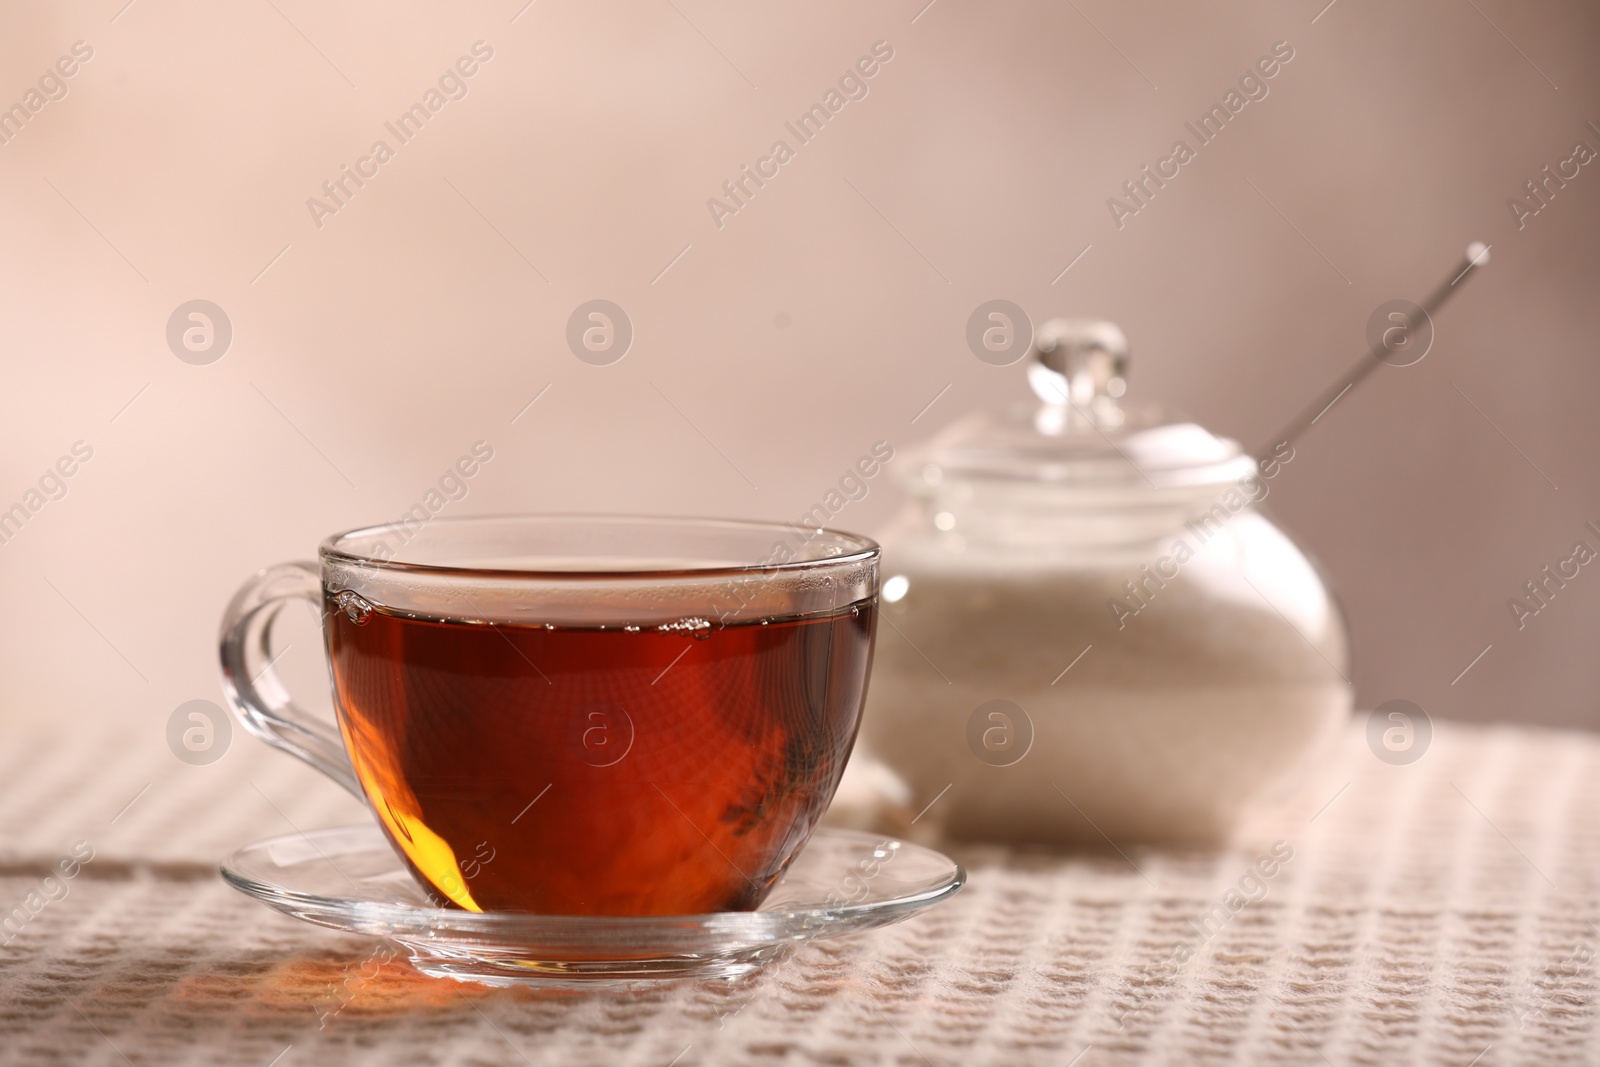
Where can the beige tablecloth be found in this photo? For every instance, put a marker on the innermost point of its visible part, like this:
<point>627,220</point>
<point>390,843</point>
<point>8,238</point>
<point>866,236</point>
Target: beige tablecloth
<point>1441,913</point>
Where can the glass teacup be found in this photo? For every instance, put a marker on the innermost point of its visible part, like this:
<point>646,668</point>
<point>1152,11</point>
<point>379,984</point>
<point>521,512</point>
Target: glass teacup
<point>576,715</point>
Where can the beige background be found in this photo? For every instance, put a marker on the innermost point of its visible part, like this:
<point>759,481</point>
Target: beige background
<point>426,314</point>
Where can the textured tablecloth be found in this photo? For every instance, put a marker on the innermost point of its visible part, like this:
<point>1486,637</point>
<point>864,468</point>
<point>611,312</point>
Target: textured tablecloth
<point>1443,912</point>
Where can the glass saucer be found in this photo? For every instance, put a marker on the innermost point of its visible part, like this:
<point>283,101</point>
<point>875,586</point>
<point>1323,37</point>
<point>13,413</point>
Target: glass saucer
<point>348,878</point>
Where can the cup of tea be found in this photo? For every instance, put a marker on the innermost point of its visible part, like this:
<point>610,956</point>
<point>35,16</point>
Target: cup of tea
<point>577,715</point>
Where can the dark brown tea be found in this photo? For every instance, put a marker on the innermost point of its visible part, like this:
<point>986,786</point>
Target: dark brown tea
<point>599,771</point>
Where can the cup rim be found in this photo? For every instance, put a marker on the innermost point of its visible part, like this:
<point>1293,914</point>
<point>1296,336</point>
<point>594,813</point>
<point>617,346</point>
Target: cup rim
<point>868,549</point>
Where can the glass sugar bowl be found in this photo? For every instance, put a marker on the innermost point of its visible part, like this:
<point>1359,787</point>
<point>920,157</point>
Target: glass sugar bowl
<point>1093,632</point>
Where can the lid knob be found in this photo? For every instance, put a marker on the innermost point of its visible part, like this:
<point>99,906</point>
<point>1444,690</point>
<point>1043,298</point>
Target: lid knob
<point>1079,370</point>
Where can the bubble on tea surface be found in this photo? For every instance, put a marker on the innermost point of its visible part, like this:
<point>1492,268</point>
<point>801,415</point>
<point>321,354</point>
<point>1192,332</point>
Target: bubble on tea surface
<point>356,607</point>
<point>694,625</point>
<point>199,732</point>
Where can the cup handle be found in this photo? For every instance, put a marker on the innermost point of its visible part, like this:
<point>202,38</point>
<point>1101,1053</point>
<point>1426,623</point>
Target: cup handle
<point>251,683</point>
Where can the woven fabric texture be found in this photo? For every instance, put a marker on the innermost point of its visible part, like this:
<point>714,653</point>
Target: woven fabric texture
<point>1445,912</point>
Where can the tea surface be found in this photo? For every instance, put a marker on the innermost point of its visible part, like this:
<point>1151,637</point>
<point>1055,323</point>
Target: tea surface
<point>599,771</point>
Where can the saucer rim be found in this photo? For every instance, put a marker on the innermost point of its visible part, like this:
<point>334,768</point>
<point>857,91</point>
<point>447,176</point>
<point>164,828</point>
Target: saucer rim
<point>758,923</point>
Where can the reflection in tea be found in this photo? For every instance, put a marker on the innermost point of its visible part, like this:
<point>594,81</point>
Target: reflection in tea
<point>617,770</point>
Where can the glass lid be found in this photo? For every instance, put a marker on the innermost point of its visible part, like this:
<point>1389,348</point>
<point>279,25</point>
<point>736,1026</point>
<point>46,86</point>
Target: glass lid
<point>1080,435</point>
